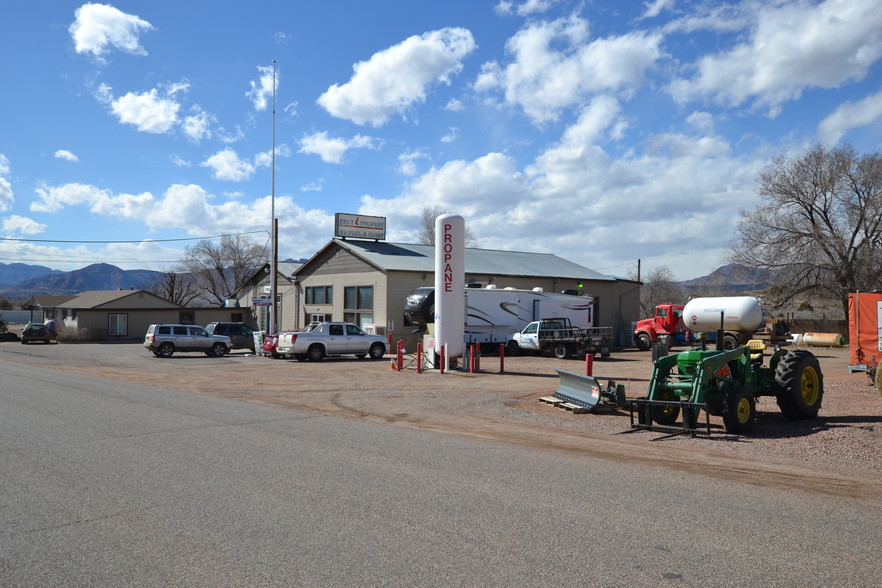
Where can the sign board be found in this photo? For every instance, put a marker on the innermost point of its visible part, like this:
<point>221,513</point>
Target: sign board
<point>359,226</point>
<point>261,302</point>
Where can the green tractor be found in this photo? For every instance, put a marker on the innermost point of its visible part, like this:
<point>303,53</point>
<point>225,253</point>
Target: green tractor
<point>726,383</point>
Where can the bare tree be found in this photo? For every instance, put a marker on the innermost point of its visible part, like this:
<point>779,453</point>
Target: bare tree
<point>427,227</point>
<point>177,286</point>
<point>659,288</point>
<point>819,229</point>
<point>219,268</point>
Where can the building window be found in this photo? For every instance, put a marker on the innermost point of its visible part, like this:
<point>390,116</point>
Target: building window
<point>117,325</point>
<point>358,305</point>
<point>320,295</point>
<point>319,318</point>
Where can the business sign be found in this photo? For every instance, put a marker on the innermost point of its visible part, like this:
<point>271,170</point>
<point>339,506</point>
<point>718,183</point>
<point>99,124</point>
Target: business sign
<point>359,226</point>
<point>450,283</point>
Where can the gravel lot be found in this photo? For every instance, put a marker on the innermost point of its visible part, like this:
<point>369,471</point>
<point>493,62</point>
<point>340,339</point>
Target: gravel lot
<point>839,453</point>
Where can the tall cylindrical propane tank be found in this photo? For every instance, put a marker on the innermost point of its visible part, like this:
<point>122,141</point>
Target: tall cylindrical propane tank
<point>743,314</point>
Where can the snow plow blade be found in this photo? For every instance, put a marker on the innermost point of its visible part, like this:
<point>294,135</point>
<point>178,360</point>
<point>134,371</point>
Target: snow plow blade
<point>586,392</point>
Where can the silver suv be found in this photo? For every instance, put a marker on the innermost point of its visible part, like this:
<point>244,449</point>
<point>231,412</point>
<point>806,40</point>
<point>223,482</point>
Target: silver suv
<point>165,340</point>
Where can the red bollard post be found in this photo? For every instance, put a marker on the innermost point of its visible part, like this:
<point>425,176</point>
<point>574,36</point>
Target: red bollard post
<point>501,358</point>
<point>419,358</point>
<point>472,359</point>
<point>443,359</point>
<point>400,355</point>
<point>589,364</point>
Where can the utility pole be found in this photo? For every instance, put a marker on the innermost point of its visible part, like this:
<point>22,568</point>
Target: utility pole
<point>273,318</point>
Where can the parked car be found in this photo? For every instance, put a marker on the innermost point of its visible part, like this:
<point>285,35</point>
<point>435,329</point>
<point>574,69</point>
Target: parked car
<point>35,332</point>
<point>165,340</point>
<point>269,345</point>
<point>240,334</point>
<point>331,338</point>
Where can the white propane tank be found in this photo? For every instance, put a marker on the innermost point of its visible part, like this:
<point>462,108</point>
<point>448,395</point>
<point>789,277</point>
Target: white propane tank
<point>743,314</point>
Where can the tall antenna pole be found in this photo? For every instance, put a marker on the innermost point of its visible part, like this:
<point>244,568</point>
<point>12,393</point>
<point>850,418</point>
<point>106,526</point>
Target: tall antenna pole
<point>273,226</point>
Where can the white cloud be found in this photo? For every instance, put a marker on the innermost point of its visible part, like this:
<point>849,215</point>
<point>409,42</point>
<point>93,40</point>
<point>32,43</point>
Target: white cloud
<point>261,91</point>
<point>407,162</point>
<point>526,8</point>
<point>65,154</point>
<point>146,111</point>
<point>849,116</point>
<point>451,135</point>
<point>22,225</point>
<point>197,126</point>
<point>555,66</point>
<point>656,7</point>
<point>454,105</point>
<point>192,208</point>
<point>394,79</point>
<point>6,195</point>
<point>228,166</point>
<point>178,160</point>
<point>792,46</point>
<point>333,149</point>
<point>98,27</point>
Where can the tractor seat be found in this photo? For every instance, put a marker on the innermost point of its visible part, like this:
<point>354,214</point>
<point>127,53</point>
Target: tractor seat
<point>756,350</point>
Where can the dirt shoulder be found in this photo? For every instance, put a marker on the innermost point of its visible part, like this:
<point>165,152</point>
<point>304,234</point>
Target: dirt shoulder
<point>838,454</point>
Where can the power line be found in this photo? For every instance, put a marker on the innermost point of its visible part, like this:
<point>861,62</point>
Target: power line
<point>133,241</point>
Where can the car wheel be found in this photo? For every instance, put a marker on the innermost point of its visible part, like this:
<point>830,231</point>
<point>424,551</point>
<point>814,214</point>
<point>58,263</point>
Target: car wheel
<point>218,350</point>
<point>377,351</point>
<point>165,350</point>
<point>315,353</point>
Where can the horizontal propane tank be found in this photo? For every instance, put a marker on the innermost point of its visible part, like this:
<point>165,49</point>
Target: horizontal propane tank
<point>743,314</point>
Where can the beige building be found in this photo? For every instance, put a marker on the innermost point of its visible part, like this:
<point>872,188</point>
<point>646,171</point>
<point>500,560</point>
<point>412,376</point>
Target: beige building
<point>124,315</point>
<point>367,283</point>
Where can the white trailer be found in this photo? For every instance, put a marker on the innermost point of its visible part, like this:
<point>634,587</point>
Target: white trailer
<point>493,314</point>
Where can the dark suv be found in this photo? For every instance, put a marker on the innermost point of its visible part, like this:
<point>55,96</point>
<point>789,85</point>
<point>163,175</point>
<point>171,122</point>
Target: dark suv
<point>165,340</point>
<point>240,334</point>
<point>35,332</point>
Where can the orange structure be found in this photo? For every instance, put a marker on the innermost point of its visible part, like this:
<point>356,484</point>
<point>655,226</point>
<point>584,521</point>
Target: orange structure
<point>864,330</point>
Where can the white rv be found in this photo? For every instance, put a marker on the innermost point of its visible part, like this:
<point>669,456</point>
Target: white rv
<point>493,314</point>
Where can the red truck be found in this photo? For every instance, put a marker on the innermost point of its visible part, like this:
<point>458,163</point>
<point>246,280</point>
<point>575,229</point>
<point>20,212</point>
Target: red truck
<point>668,320</point>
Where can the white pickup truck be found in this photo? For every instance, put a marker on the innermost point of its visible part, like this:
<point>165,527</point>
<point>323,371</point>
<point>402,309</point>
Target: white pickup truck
<point>331,338</point>
<point>559,337</point>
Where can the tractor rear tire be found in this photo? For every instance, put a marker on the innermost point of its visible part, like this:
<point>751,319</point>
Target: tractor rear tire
<point>799,385</point>
<point>739,410</point>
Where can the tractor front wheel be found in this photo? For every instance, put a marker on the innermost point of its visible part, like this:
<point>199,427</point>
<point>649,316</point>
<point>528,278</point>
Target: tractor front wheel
<point>739,410</point>
<point>666,415</point>
<point>799,385</point>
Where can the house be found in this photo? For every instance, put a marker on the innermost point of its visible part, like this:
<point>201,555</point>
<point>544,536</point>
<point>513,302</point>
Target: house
<point>253,297</point>
<point>367,283</point>
<point>124,315</point>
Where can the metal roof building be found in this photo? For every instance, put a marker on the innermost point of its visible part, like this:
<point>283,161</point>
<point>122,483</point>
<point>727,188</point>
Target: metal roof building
<point>367,283</point>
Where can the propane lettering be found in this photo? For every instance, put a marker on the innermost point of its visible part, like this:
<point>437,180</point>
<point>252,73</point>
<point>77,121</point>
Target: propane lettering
<point>450,283</point>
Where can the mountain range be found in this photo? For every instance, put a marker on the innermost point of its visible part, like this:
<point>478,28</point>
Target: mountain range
<point>19,281</point>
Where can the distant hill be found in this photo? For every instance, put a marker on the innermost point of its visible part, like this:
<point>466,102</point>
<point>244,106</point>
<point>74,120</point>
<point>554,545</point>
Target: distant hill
<point>732,278</point>
<point>13,273</point>
<point>98,276</point>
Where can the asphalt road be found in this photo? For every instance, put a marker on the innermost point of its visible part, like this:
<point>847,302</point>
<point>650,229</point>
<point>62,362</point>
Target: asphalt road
<point>111,484</point>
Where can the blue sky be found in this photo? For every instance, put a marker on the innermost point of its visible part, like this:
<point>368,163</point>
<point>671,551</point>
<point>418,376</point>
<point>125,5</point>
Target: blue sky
<point>602,132</point>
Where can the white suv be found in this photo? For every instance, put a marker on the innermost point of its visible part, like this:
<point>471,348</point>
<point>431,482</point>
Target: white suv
<point>165,340</point>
